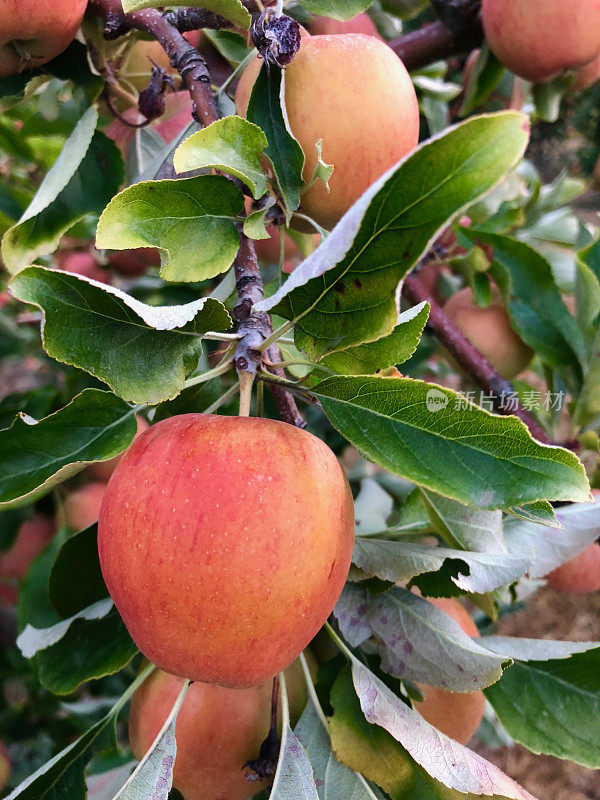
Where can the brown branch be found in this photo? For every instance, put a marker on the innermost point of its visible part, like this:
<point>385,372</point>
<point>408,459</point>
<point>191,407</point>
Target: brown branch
<point>254,327</point>
<point>470,359</point>
<point>459,32</point>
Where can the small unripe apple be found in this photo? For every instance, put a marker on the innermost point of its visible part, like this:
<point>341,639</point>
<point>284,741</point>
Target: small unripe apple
<point>579,575</point>
<point>82,263</point>
<point>218,730</point>
<point>82,506</point>
<point>490,331</point>
<point>457,714</point>
<point>34,534</point>
<point>361,23</point>
<point>32,32</point>
<point>539,39</point>
<point>4,766</point>
<point>353,92</point>
<point>102,470</point>
<point>225,543</point>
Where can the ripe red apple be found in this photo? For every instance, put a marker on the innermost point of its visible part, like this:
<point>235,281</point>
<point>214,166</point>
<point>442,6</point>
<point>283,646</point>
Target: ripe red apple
<point>457,714</point>
<point>82,263</point>
<point>82,506</point>
<point>34,534</point>
<point>353,92</point>
<point>539,39</point>
<point>102,470</point>
<point>361,23</point>
<point>4,766</point>
<point>490,331</point>
<point>33,32</point>
<point>579,575</point>
<point>218,730</point>
<point>225,543</point>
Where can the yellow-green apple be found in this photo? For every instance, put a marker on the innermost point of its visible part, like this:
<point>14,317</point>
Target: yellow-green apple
<point>33,32</point>
<point>539,39</point>
<point>490,331</point>
<point>33,535</point>
<point>457,714</point>
<point>218,730</point>
<point>225,543</point>
<point>352,92</point>
<point>82,506</point>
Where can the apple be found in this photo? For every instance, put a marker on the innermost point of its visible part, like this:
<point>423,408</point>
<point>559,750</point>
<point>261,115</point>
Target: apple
<point>218,730</point>
<point>225,543</point>
<point>490,331</point>
<point>82,506</point>
<point>133,263</point>
<point>457,714</point>
<point>82,263</point>
<point>353,92</point>
<point>539,39</point>
<point>34,534</point>
<point>4,766</point>
<point>361,23</point>
<point>579,575</point>
<point>32,32</point>
<point>102,470</point>
<point>587,75</point>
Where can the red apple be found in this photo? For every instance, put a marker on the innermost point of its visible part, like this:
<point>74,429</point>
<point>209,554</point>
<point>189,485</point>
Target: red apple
<point>579,575</point>
<point>457,714</point>
<point>33,32</point>
<point>361,23</point>
<point>82,263</point>
<point>82,506</point>
<point>218,730</point>
<point>225,543</point>
<point>34,534</point>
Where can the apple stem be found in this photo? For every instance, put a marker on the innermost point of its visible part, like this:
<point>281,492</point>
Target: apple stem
<point>246,384</point>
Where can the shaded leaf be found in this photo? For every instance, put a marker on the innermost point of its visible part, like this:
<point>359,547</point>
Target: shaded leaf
<point>36,456</point>
<point>463,527</point>
<point>77,556</point>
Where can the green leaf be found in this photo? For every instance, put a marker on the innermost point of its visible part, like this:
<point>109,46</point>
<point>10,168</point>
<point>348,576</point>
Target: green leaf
<point>191,220</point>
<point>376,754</point>
<point>265,110</point>
<point>416,640</point>
<point>476,573</point>
<point>90,645</point>
<point>233,10</point>
<point>338,9</point>
<point>48,782</point>
<point>36,456</point>
<point>388,351</point>
<point>77,556</point>
<point>552,706</point>
<point>471,456</point>
<point>231,144</point>
<point>231,46</point>
<point>485,77</point>
<point>86,175</point>
<point>536,309</point>
<point>142,352</point>
<point>344,294</point>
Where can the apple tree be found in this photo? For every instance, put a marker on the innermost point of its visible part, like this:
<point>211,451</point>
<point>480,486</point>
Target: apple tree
<point>300,395</point>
